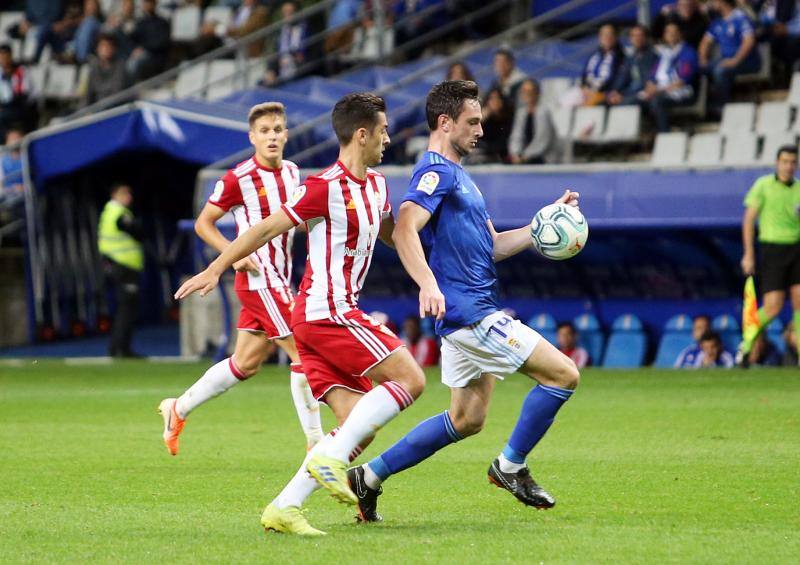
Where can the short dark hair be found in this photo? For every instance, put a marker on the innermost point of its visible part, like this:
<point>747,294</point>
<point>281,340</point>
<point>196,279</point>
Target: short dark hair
<point>506,53</point>
<point>705,317</point>
<point>731,3</point>
<point>448,98</point>
<point>107,37</point>
<point>119,185</point>
<point>710,335</point>
<point>568,325</point>
<point>644,28</point>
<point>791,149</point>
<point>355,111</point>
<point>6,48</point>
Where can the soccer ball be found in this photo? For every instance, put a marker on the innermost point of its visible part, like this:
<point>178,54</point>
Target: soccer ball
<point>559,231</point>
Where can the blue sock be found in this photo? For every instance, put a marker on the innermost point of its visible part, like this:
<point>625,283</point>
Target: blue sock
<point>424,440</point>
<point>538,412</point>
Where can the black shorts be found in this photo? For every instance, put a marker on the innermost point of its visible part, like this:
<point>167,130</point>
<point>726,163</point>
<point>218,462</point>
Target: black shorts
<point>779,266</point>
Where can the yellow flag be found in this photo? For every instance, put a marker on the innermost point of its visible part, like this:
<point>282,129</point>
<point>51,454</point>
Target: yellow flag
<point>750,320</point>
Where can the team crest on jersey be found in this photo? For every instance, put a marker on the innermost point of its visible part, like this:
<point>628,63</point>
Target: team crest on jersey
<point>299,192</point>
<point>217,194</point>
<point>350,205</point>
<point>428,182</point>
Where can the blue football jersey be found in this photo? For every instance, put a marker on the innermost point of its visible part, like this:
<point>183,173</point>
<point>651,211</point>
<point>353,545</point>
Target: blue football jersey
<point>457,240</point>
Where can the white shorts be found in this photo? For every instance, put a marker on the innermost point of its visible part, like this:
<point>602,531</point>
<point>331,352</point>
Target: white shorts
<point>498,344</point>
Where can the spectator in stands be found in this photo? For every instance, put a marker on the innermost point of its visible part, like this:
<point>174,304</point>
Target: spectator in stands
<point>207,40</point>
<point>784,30</point>
<point>423,348</point>
<point>533,134</point>
<point>764,353</point>
<point>14,91</point>
<point>712,354</point>
<point>251,16</point>
<point>672,81</point>
<point>508,77</point>
<point>636,69</point>
<point>415,18</point>
<point>107,74</point>
<point>11,186</point>
<point>496,122</point>
<point>40,14</point>
<point>602,67</point>
<point>151,37</point>
<point>59,33</point>
<point>121,25</point>
<point>567,340</point>
<point>790,358</point>
<point>459,71</point>
<point>88,30</point>
<point>689,17</point>
<point>734,34</point>
<point>687,358</point>
<point>291,49</point>
<point>342,22</point>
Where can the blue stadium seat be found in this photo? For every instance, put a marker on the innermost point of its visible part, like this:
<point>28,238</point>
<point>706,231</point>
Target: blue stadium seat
<point>729,331</point>
<point>545,324</point>
<point>679,323</point>
<point>676,337</point>
<point>591,336</point>
<point>627,344</point>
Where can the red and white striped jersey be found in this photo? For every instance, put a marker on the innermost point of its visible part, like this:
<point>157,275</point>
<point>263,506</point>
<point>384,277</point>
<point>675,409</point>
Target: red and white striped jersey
<point>344,217</point>
<point>251,192</point>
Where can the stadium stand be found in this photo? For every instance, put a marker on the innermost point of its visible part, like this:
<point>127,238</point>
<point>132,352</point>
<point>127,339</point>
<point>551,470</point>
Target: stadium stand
<point>545,324</point>
<point>729,331</point>
<point>591,336</point>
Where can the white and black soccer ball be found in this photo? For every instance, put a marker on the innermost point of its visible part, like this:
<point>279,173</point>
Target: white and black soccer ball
<point>559,231</point>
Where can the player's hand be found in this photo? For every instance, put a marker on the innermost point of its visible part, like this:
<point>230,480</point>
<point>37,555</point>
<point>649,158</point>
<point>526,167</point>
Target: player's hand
<point>247,265</point>
<point>431,302</point>
<point>748,265</point>
<point>205,282</point>
<point>728,63</point>
<point>569,198</point>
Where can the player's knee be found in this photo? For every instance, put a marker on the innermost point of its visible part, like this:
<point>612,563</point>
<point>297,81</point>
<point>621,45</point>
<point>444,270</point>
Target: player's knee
<point>413,380</point>
<point>468,424</point>
<point>567,375</point>
<point>248,367</point>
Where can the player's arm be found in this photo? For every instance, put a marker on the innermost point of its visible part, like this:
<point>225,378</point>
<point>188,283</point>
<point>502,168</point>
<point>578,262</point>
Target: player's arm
<point>206,228</point>
<point>748,240</point>
<point>254,238</point>
<point>511,242</point>
<point>387,228</point>
<point>411,219</point>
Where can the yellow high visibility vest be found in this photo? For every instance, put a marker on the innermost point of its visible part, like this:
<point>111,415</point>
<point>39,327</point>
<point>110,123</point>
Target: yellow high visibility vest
<point>117,245</point>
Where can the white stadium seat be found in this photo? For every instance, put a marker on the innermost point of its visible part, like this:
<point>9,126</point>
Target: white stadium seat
<point>222,79</point>
<point>223,15</point>
<point>623,123</point>
<point>562,120</point>
<point>737,116</point>
<point>37,74</point>
<point>740,148</point>
<point>670,148</point>
<point>254,72</point>
<point>794,91</point>
<point>61,81</point>
<point>774,140</point>
<point>186,23</point>
<point>773,116</point>
<point>191,81</point>
<point>8,19</point>
<point>589,123</point>
<point>552,89</point>
<point>705,149</point>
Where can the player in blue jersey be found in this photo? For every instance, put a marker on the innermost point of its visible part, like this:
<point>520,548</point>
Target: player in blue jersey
<point>444,213</point>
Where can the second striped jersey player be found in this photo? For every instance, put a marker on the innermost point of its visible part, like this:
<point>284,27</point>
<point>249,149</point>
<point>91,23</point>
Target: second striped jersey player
<point>250,192</point>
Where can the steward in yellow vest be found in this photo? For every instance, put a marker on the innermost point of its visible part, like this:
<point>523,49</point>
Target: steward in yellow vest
<point>118,235</point>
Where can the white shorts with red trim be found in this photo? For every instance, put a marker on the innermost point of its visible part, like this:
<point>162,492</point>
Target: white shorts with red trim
<point>266,310</point>
<point>339,351</point>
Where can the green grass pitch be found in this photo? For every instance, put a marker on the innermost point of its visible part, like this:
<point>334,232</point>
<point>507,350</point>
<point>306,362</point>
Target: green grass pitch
<point>647,466</point>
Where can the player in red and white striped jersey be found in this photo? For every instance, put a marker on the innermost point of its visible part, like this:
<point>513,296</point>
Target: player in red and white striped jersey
<point>251,192</point>
<point>343,350</point>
